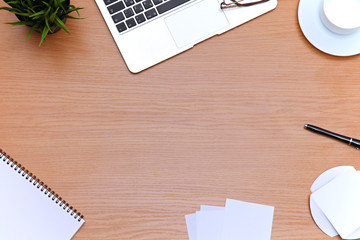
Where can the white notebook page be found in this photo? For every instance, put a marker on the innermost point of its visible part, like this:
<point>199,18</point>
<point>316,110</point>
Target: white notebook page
<point>26,213</point>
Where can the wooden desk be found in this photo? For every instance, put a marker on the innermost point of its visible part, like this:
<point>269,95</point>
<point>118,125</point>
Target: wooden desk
<point>134,153</point>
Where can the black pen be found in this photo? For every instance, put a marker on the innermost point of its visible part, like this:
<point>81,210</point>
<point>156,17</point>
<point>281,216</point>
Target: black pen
<point>351,141</point>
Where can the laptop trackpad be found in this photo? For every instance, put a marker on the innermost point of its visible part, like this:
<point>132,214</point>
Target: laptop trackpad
<point>196,22</point>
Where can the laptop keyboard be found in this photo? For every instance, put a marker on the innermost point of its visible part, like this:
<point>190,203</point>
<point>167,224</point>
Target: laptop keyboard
<point>127,14</point>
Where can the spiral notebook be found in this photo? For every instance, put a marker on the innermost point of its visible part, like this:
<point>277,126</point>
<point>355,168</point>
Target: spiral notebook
<point>29,209</point>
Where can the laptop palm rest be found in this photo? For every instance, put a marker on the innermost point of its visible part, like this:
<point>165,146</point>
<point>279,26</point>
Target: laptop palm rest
<point>196,23</point>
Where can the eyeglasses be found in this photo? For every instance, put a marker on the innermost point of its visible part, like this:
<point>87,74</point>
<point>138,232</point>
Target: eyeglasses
<point>239,3</point>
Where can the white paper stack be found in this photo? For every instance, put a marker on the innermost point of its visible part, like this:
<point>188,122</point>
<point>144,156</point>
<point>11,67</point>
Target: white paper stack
<point>237,220</point>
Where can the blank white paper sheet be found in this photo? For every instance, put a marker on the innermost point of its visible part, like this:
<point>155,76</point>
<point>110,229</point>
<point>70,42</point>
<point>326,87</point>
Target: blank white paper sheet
<point>245,220</point>
<point>237,220</point>
<point>209,224</point>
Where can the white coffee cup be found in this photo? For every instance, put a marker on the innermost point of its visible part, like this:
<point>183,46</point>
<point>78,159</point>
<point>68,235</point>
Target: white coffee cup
<point>341,16</point>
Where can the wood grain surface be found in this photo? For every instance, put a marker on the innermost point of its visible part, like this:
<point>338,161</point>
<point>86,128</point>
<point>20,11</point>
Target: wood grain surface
<point>134,153</point>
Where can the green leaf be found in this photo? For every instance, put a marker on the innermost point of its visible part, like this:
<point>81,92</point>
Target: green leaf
<point>47,24</point>
<point>6,8</point>
<point>20,23</point>
<point>74,10</point>
<point>61,4</point>
<point>61,24</point>
<point>31,31</point>
<point>37,14</point>
<point>47,12</point>
<point>46,4</point>
<point>45,32</point>
<point>12,3</point>
<point>53,16</point>
<point>23,14</point>
<point>71,17</point>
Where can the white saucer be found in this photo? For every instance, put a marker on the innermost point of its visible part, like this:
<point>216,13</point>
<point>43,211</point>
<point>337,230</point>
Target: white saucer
<point>320,36</point>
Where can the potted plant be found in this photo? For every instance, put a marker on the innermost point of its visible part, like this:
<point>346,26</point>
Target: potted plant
<point>44,16</point>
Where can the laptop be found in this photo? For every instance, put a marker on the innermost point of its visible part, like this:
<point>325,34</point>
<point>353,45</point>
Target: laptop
<point>148,32</point>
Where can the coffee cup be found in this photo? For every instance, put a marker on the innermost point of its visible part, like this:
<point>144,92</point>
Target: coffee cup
<point>341,16</point>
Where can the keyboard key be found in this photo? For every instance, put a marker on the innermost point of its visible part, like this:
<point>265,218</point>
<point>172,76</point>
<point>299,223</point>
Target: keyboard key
<point>170,5</point>
<point>138,8</point>
<point>140,18</point>
<point>156,2</point>
<point>118,17</point>
<point>121,27</point>
<point>107,2</point>
<point>116,7</point>
<point>130,23</point>
<point>147,4</point>
<point>150,14</point>
<point>128,12</point>
<point>129,2</point>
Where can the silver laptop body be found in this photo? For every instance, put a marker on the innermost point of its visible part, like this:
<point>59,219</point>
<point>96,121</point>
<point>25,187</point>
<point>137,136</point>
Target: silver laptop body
<point>150,31</point>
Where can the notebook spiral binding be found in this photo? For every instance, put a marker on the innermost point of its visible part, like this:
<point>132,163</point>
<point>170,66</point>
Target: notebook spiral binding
<point>36,182</point>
